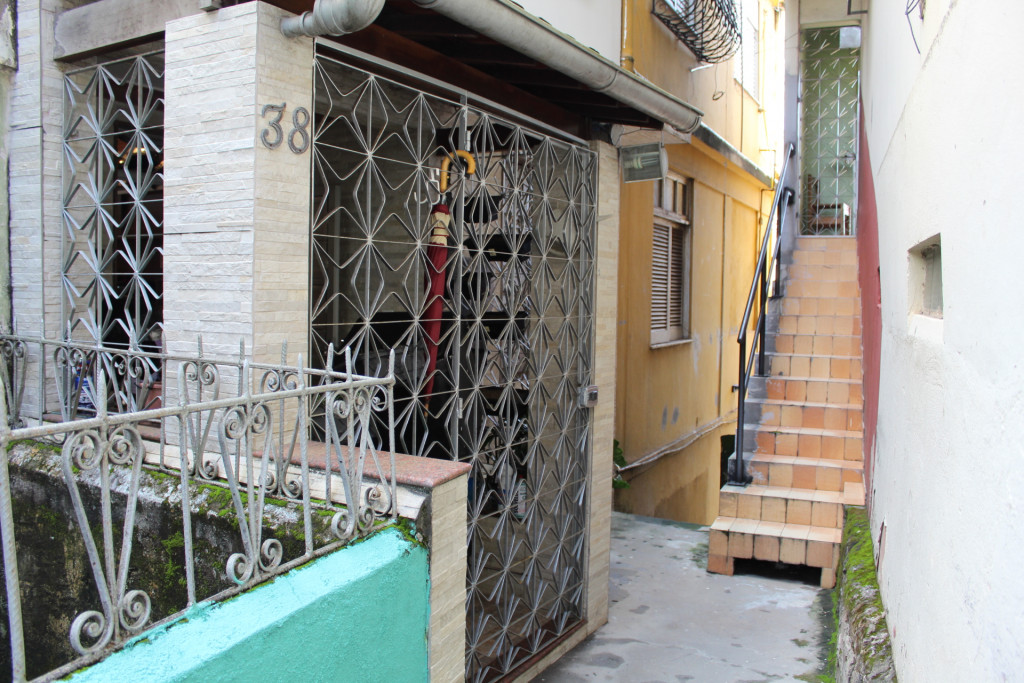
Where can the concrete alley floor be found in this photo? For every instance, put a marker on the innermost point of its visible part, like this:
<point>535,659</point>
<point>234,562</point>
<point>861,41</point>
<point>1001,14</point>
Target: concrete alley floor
<point>671,621</point>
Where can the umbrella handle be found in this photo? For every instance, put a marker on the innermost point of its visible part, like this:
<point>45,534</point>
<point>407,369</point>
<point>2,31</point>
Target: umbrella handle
<point>447,162</point>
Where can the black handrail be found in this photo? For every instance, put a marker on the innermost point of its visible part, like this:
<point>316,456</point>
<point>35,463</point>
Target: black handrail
<point>766,270</point>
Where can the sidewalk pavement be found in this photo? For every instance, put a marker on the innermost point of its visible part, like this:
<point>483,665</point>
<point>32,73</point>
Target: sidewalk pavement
<point>671,621</point>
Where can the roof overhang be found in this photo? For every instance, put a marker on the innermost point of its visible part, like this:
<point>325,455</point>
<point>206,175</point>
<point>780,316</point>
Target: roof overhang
<point>490,47</point>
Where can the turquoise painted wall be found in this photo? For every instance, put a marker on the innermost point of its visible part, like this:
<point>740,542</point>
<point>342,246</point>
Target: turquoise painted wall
<point>359,614</point>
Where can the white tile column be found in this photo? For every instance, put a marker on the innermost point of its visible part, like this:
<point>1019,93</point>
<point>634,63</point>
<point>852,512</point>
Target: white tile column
<point>236,245</point>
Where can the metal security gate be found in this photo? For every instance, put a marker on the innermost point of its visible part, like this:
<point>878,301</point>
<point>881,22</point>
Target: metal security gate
<point>831,97</point>
<point>493,372</point>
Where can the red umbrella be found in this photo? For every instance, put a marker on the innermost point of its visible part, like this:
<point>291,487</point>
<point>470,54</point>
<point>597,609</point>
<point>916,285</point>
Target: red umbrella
<point>437,255</point>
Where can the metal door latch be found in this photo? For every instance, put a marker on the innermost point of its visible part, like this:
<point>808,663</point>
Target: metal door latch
<point>588,396</point>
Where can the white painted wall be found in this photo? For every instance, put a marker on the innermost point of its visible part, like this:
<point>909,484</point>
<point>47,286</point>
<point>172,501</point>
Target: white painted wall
<point>946,142</point>
<point>594,23</point>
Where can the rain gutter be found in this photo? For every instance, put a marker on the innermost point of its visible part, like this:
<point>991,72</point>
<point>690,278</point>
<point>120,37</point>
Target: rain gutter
<point>510,25</point>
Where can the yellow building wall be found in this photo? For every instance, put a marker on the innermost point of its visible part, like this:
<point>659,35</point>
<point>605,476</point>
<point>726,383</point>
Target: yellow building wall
<point>680,396</point>
<point>675,403</point>
<point>750,123</point>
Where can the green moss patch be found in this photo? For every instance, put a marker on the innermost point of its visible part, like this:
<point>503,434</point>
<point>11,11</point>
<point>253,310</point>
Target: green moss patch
<point>863,648</point>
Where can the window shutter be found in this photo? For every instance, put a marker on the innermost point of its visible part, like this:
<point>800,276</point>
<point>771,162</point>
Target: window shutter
<point>661,277</point>
<point>675,275</point>
<point>670,261</point>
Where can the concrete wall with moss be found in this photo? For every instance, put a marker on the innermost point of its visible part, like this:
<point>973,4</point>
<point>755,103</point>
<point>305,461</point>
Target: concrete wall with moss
<point>57,582</point>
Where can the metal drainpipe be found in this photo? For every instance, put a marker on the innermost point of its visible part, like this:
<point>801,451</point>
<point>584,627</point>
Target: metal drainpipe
<point>509,25</point>
<point>512,26</point>
<point>333,18</point>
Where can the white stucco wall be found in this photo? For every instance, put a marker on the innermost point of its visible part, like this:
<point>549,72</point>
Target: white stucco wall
<point>594,23</point>
<point>946,141</point>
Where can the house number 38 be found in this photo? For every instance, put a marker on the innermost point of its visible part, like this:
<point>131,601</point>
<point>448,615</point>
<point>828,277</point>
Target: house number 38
<point>273,135</point>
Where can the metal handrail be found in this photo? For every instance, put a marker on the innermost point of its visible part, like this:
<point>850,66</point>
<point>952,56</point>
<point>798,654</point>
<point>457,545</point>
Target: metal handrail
<point>766,269</point>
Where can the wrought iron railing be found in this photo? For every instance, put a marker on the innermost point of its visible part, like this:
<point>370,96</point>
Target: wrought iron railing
<point>253,446</point>
<point>710,28</point>
<point>767,270</point>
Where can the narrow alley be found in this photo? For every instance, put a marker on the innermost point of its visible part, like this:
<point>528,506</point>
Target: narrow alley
<point>670,620</point>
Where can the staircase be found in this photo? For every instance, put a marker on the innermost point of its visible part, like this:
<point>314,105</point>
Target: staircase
<point>803,432</point>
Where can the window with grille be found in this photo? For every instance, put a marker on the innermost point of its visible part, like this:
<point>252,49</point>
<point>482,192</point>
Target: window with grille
<point>112,246</point>
<point>670,261</point>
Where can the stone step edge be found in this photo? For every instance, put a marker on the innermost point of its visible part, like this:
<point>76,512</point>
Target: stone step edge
<point>804,378</point>
<point>803,461</point>
<point>847,496</point>
<point>794,354</point>
<point>806,461</point>
<point>775,459</point>
<point>789,378</point>
<point>783,314</point>
<point>803,532</point>
<point>781,331</point>
<point>791,276</point>
<point>823,298</point>
<point>781,402</point>
<point>805,431</point>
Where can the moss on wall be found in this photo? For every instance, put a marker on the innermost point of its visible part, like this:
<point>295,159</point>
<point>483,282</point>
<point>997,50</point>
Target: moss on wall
<point>863,648</point>
<point>57,581</point>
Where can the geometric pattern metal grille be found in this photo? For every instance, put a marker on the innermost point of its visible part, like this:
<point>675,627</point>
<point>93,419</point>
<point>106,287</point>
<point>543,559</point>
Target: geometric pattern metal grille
<point>831,82</point>
<point>112,242</point>
<point>515,343</point>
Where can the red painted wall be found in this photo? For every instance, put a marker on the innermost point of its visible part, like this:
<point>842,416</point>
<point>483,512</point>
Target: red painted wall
<point>870,296</point>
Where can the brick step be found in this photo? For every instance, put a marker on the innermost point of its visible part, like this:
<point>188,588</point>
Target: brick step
<point>841,325</point>
<point>799,544</point>
<point>823,289</point>
<point>817,344</point>
<point>814,257</point>
<point>773,504</point>
<point>802,364</point>
<point>806,366</point>
<point>843,416</point>
<point>822,272</point>
<point>826,243</point>
<point>799,389</point>
<point>795,472</point>
<point>805,442</point>
<point>810,305</point>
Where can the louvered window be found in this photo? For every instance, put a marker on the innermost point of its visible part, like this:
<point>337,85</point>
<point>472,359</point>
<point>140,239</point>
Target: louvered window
<point>670,261</point>
<point>747,62</point>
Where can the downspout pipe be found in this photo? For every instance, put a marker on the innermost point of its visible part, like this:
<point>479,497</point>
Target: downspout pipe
<point>333,18</point>
<point>510,25</point>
